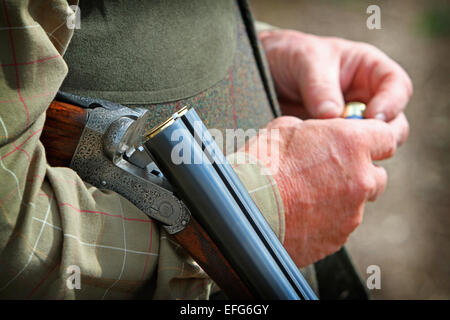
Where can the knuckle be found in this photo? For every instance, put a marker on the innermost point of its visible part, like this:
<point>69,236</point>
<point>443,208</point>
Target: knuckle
<point>392,113</point>
<point>318,84</point>
<point>286,125</point>
<point>352,222</point>
<point>305,53</point>
<point>405,133</point>
<point>366,184</point>
<point>369,48</point>
<point>350,135</point>
<point>311,49</point>
<point>409,86</point>
<point>384,177</point>
<point>392,141</point>
<point>359,187</point>
<point>287,121</point>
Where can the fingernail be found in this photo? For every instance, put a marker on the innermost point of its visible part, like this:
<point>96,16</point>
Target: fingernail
<point>327,108</point>
<point>380,116</point>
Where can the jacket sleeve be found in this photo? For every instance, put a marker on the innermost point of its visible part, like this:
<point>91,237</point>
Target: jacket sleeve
<point>264,191</point>
<point>61,238</point>
<point>263,26</point>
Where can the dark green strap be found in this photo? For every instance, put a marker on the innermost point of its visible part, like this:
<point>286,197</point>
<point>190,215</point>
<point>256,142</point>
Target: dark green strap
<point>338,279</point>
<point>259,56</point>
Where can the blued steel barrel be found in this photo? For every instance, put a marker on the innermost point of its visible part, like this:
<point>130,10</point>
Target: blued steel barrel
<point>189,158</point>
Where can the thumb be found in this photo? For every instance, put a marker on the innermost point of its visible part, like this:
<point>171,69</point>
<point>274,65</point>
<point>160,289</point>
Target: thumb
<point>321,90</point>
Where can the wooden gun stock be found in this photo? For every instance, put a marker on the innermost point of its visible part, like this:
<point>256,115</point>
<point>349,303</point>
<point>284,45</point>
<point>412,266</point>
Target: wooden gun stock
<point>63,128</point>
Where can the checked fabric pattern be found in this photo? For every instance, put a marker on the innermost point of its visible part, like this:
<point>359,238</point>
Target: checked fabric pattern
<point>49,218</point>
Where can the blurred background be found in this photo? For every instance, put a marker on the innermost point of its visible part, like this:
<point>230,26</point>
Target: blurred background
<point>406,232</point>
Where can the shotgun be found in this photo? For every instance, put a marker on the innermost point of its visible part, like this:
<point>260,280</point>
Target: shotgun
<point>203,205</point>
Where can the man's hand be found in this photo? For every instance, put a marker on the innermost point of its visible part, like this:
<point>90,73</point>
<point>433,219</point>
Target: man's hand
<point>314,76</point>
<point>325,176</point>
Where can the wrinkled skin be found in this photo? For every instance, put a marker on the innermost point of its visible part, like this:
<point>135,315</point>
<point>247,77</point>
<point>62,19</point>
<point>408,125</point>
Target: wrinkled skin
<point>315,75</point>
<point>325,176</point>
<point>326,172</point>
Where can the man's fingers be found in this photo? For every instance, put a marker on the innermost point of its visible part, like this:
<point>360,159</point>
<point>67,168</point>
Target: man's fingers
<point>393,90</point>
<point>379,138</point>
<point>400,128</point>
<point>380,177</point>
<point>320,88</point>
